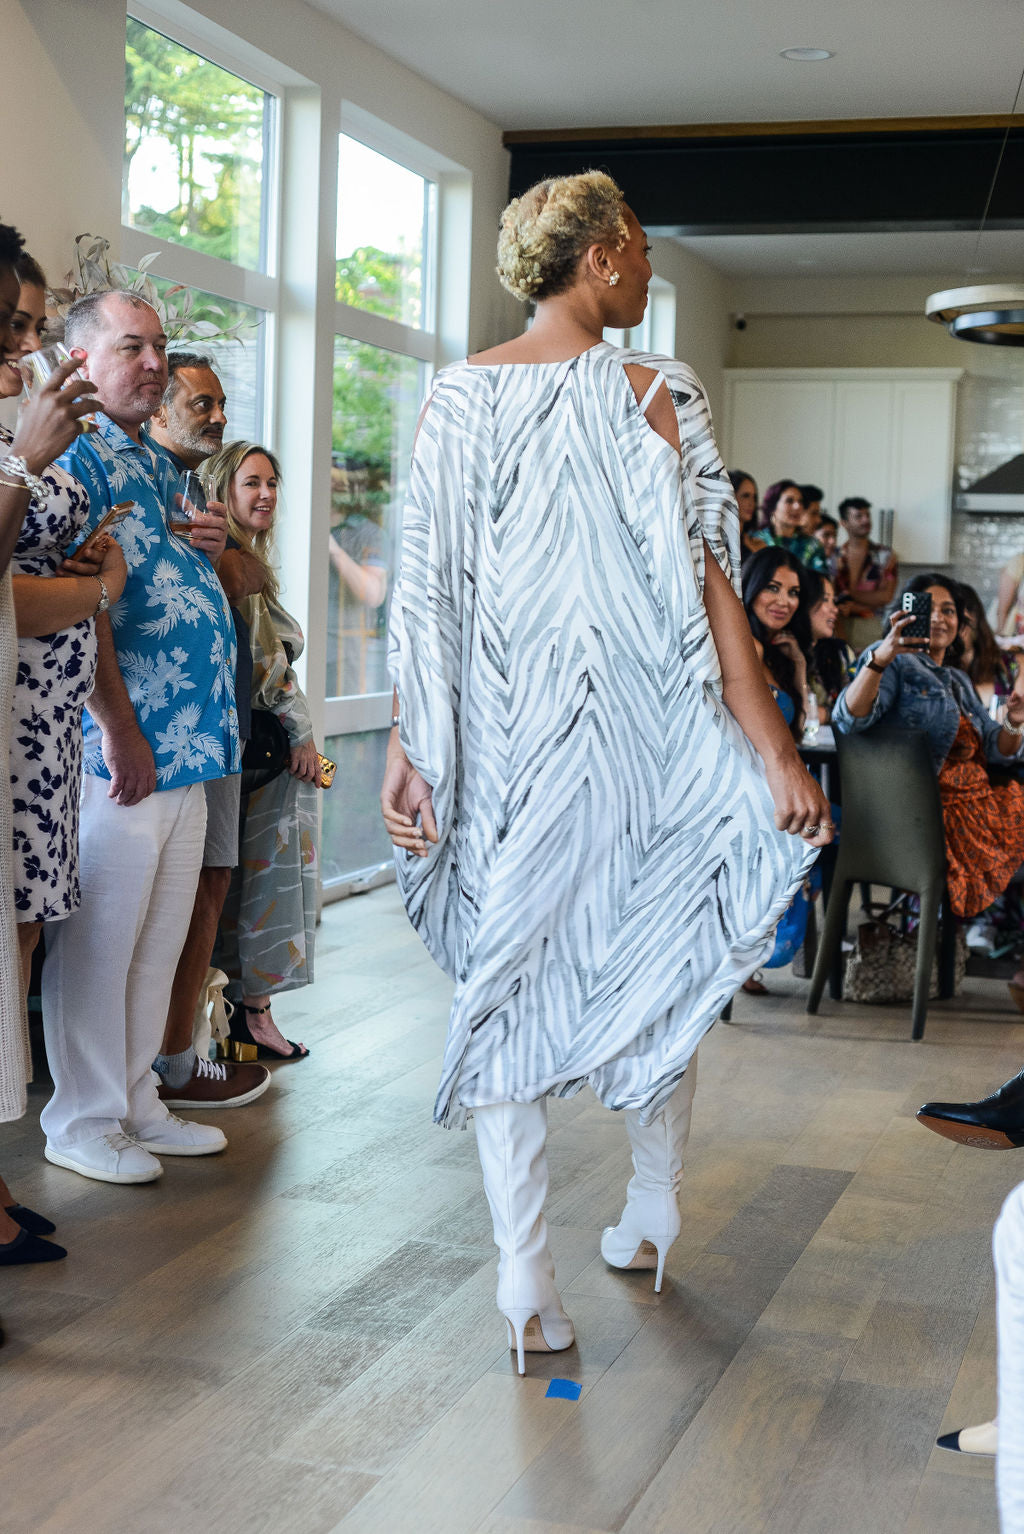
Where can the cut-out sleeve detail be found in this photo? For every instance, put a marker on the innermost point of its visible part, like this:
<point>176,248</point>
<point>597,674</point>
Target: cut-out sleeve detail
<point>707,491</point>
<point>645,403</point>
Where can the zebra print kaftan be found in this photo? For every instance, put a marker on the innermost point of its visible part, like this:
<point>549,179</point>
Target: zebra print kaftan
<point>608,871</point>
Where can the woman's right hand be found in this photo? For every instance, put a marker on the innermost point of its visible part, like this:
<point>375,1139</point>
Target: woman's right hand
<point>48,421</point>
<point>895,643</point>
<point>405,797</point>
<point>99,556</point>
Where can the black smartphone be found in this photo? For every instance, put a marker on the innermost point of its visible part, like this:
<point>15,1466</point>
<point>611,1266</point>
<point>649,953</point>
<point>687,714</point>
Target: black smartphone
<point>920,604</point>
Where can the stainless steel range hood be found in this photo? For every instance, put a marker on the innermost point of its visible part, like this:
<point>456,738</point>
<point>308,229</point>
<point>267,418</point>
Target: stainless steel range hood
<point>1000,491</point>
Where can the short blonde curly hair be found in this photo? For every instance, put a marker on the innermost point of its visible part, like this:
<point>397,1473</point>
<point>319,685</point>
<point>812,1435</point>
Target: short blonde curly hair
<point>546,231</point>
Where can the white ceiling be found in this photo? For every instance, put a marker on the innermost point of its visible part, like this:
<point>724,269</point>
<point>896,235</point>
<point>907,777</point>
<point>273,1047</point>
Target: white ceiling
<point>951,256</point>
<point>587,63</point>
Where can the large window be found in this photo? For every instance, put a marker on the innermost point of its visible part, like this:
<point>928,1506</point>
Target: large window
<point>377,396</point>
<point>385,349</point>
<point>199,200</point>
<point>383,353</point>
<point>197,146</point>
<point>385,228</point>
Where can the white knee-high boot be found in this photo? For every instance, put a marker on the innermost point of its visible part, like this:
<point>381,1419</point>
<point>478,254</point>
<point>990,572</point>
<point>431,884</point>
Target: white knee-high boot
<point>650,1221</point>
<point>510,1139</point>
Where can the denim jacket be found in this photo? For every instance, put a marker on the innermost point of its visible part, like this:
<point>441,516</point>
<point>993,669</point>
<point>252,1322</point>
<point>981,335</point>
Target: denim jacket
<point>916,694</point>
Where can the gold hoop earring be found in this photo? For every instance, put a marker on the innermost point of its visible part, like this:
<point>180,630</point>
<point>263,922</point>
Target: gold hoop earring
<point>613,279</point>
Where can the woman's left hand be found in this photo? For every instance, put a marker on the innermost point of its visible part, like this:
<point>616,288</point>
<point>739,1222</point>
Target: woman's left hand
<point>303,764</point>
<point>1015,709</point>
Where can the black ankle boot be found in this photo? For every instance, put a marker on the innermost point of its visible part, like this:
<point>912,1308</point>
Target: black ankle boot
<point>994,1123</point>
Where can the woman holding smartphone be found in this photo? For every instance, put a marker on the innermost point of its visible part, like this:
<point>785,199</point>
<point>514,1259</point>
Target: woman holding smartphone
<point>55,604</point>
<point>916,683</point>
<point>28,485</point>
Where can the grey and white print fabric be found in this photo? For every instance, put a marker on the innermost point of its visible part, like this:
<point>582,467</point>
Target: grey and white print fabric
<point>608,869</point>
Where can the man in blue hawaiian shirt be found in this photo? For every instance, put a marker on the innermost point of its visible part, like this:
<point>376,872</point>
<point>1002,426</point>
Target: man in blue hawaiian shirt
<point>188,427</point>
<point>160,722</point>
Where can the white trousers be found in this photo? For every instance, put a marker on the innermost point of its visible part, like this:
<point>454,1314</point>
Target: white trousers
<point>110,965</point>
<point>1008,1251</point>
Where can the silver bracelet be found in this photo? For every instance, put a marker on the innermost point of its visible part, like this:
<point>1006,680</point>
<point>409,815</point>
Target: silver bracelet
<point>12,464</point>
<point>395,722</point>
<point>1012,729</point>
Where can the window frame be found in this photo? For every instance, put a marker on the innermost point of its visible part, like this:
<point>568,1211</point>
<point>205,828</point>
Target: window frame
<point>350,714</point>
<point>259,289</point>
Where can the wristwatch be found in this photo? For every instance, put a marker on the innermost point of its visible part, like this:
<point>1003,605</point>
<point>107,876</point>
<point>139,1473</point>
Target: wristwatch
<point>104,601</point>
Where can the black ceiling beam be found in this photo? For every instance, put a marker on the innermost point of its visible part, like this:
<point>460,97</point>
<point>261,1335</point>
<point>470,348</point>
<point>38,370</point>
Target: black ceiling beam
<point>797,183</point>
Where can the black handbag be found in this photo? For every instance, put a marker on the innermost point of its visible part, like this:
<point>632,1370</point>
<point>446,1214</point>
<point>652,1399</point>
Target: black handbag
<point>267,751</point>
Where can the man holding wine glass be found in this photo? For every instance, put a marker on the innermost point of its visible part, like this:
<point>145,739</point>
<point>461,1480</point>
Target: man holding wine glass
<point>160,723</point>
<point>188,426</point>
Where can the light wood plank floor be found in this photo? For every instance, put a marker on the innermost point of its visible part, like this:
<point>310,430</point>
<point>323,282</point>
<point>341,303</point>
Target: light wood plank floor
<point>300,1335</point>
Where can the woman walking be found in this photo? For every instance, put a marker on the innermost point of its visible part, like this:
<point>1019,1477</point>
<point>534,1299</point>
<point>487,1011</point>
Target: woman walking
<point>585,833</point>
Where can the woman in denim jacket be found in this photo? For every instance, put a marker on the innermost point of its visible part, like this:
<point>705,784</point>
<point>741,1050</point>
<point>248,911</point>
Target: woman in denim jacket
<point>915,684</point>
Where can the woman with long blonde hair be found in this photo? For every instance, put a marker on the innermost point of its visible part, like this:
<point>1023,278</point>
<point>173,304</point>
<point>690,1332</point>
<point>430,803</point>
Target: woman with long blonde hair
<point>267,929</point>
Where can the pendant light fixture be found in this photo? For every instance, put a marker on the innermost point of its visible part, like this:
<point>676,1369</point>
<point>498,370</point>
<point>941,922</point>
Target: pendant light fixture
<point>994,313</point>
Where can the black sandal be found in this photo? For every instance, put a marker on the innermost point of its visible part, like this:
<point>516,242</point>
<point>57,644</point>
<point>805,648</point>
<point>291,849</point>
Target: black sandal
<point>242,1044</point>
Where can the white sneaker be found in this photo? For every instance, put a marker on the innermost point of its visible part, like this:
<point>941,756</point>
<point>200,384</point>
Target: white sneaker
<point>108,1158</point>
<point>174,1137</point>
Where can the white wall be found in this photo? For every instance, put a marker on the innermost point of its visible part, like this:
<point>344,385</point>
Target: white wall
<point>61,123</point>
<point>879,322</point>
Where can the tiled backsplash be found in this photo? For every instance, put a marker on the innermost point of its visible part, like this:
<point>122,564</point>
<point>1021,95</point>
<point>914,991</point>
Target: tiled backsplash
<point>989,430</point>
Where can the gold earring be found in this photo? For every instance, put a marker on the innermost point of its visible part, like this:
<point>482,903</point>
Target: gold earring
<point>613,279</point>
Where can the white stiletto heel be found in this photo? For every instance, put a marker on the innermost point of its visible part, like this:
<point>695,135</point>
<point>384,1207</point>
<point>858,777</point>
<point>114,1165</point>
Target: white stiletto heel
<point>650,1222</point>
<point>510,1140</point>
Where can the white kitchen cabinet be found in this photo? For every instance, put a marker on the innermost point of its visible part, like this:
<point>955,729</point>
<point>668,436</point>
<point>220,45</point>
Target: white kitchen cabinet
<point>883,433</point>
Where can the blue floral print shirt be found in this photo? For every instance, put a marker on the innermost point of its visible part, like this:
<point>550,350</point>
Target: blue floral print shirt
<point>172,627</point>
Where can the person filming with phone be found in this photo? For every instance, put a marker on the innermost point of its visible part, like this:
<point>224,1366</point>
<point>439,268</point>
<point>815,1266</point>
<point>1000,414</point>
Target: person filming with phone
<point>912,679</point>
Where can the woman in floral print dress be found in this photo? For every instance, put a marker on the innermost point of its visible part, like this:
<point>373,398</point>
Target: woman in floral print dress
<point>56,663</point>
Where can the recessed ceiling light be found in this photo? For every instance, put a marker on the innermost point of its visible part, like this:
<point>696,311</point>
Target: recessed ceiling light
<point>807,55</point>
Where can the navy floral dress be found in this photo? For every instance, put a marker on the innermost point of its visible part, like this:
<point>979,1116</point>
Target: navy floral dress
<point>55,677</point>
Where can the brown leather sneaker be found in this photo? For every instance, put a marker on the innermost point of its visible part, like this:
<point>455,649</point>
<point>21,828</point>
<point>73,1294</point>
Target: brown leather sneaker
<point>217,1084</point>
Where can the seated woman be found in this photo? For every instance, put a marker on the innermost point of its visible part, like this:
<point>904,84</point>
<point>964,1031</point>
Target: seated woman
<point>916,684</point>
<point>827,534</point>
<point>991,669</point>
<point>782,519</point>
<point>744,488</point>
<point>830,661</point>
<point>1010,597</point>
<point>775,603</point>
<point>776,607</point>
<point>269,920</point>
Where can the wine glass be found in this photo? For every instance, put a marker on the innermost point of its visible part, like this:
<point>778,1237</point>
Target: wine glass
<point>42,363</point>
<point>811,719</point>
<point>189,502</point>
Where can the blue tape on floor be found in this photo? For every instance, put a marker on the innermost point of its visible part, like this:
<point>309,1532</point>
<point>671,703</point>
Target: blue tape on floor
<point>564,1390</point>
